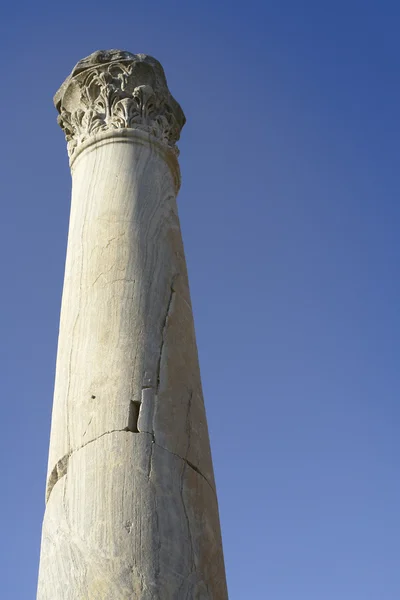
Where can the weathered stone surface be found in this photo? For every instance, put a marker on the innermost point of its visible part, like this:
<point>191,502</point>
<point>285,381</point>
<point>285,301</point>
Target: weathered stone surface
<point>114,89</point>
<point>131,503</point>
<point>131,520</point>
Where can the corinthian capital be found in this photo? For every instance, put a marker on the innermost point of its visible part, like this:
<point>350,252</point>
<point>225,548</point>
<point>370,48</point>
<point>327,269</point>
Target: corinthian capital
<point>113,89</point>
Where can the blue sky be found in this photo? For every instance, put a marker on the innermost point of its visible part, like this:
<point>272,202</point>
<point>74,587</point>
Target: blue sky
<point>290,216</point>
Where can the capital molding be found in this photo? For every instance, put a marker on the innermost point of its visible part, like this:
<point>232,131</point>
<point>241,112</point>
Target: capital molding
<point>113,90</point>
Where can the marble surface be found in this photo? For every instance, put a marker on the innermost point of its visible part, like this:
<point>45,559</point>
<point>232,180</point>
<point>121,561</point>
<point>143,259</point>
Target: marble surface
<point>131,503</point>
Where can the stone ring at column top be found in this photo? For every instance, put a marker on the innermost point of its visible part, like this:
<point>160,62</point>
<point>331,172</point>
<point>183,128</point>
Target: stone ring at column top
<point>112,90</point>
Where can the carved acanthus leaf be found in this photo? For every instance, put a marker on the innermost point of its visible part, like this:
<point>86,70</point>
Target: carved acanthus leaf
<point>116,90</point>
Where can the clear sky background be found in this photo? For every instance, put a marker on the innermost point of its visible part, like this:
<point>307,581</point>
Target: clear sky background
<point>290,215</point>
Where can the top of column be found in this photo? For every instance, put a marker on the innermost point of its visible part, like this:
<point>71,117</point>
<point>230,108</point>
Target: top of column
<point>114,89</point>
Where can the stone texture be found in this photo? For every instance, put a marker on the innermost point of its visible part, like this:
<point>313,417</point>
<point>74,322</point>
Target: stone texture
<point>114,89</point>
<point>131,504</point>
<point>131,520</point>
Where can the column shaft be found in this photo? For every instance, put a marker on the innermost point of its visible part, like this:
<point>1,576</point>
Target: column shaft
<point>131,504</point>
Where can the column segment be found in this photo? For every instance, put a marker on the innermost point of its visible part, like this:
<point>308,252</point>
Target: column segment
<point>131,503</point>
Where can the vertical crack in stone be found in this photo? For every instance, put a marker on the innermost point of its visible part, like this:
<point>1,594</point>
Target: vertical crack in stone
<point>69,379</point>
<point>88,425</point>
<point>150,461</point>
<point>157,568</point>
<point>160,355</point>
<point>163,333</point>
<point>158,552</point>
<point>188,427</point>
<point>152,433</point>
<point>193,566</point>
<point>64,501</point>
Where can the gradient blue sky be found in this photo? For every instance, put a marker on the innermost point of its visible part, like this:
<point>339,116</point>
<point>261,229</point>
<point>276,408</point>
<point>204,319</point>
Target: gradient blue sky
<point>290,215</point>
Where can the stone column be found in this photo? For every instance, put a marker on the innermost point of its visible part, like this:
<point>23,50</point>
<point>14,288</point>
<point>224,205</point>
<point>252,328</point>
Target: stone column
<point>131,507</point>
